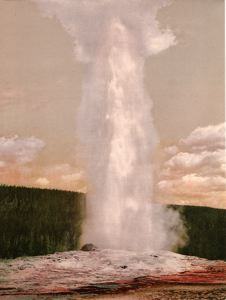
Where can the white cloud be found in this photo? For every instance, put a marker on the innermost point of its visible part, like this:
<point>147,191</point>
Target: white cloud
<point>74,177</point>
<point>62,176</point>
<point>171,150</point>
<point>16,156</point>
<point>42,181</point>
<point>193,183</point>
<point>210,137</point>
<point>187,161</point>
<point>19,150</point>
<point>195,168</point>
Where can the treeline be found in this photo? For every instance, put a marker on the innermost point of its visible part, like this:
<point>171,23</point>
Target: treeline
<point>38,221</point>
<point>206,230</point>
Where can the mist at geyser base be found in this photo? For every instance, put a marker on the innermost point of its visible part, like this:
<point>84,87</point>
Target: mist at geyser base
<point>115,125</point>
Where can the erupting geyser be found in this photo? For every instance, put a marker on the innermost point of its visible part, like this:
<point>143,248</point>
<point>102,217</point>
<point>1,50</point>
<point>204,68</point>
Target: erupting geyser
<point>115,126</point>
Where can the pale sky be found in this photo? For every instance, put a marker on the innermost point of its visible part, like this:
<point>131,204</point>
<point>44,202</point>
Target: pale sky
<point>40,91</point>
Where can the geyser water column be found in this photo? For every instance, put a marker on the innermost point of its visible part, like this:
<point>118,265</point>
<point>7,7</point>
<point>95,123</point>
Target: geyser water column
<point>119,207</point>
<point>115,126</point>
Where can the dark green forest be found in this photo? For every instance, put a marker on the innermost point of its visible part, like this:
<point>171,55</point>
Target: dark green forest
<point>206,230</point>
<point>40,221</point>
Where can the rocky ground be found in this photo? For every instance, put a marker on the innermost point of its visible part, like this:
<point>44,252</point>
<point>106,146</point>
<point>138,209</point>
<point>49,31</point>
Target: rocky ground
<point>99,272</point>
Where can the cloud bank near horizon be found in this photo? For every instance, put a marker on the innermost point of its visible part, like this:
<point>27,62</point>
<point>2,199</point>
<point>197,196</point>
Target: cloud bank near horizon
<point>17,155</point>
<point>19,150</point>
<point>194,170</point>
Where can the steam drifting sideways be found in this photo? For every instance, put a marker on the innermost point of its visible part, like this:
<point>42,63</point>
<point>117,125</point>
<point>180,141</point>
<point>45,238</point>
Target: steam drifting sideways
<point>112,38</point>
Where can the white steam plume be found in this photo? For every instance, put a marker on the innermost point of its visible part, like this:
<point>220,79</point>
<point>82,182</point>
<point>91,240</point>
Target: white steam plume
<point>113,38</point>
